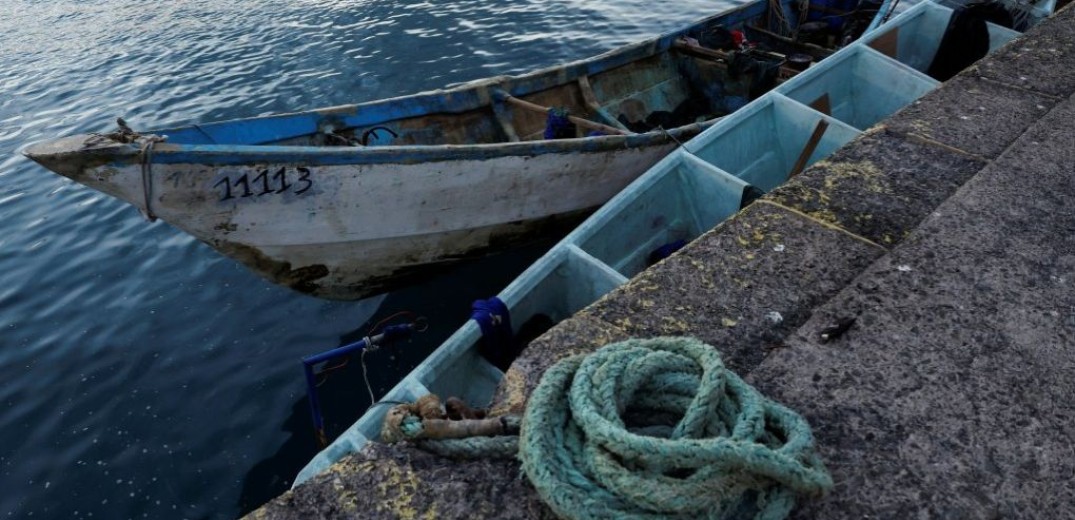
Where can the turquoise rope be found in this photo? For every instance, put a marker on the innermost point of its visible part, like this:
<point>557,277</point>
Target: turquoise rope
<point>658,428</point>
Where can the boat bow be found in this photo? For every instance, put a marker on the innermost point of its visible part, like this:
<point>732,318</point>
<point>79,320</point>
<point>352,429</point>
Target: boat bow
<point>90,159</point>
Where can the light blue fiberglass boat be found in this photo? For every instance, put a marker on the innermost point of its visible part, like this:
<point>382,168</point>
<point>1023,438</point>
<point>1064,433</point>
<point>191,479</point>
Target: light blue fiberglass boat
<point>690,191</point>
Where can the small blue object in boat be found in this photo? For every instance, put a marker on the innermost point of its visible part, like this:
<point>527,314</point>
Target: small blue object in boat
<point>558,126</point>
<point>494,320</point>
<point>832,12</point>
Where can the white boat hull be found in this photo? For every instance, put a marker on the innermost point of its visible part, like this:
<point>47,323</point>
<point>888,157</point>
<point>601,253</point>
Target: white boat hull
<point>351,230</point>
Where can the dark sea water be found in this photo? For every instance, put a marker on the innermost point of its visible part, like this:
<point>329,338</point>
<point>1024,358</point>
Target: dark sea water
<point>143,375</point>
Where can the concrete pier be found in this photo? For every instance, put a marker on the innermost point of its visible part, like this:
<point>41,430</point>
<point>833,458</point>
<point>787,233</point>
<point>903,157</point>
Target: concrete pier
<point>947,233</point>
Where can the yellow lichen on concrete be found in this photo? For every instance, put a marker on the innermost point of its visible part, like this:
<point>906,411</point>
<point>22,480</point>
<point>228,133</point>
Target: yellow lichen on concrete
<point>638,284</point>
<point>825,215</point>
<point>866,171</point>
<point>697,264</point>
<point>514,401</point>
<point>802,192</point>
<point>703,270</point>
<point>396,491</point>
<point>836,174</point>
<point>671,325</point>
<point>921,127</point>
<point>771,220</point>
<point>346,498</point>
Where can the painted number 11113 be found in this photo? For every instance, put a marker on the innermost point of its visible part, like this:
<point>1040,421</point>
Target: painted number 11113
<point>266,182</point>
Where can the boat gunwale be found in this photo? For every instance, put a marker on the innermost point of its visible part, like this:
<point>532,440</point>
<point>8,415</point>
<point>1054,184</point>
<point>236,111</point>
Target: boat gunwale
<point>218,154</point>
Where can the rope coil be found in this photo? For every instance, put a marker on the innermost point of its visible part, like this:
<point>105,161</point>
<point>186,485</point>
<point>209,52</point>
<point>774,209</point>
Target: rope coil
<point>659,428</point>
<point>656,428</point>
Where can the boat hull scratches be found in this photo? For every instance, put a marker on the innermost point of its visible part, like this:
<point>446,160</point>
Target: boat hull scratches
<point>337,284</point>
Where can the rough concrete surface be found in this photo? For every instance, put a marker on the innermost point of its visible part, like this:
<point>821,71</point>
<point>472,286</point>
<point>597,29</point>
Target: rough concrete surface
<point>388,482</point>
<point>972,114</point>
<point>1043,61</point>
<point>879,188</point>
<point>579,335</point>
<point>731,287</point>
<point>953,395</point>
<point>951,242</point>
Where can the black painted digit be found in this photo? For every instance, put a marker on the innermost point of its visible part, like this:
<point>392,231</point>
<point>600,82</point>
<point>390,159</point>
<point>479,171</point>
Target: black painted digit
<point>281,175</point>
<point>267,183</point>
<point>304,176</point>
<point>227,188</point>
<point>264,176</point>
<point>246,185</point>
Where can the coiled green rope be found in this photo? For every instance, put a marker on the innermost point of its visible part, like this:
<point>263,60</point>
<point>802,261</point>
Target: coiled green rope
<point>731,453</point>
<point>658,428</point>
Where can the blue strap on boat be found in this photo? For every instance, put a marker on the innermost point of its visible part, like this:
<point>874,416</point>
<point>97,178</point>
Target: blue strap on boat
<point>394,332</point>
<point>558,126</point>
<point>494,319</point>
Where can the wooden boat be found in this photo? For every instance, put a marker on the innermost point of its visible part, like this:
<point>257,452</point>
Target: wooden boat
<point>685,194</point>
<point>350,201</point>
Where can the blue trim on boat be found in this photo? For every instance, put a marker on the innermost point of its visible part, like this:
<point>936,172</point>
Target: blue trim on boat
<point>217,154</point>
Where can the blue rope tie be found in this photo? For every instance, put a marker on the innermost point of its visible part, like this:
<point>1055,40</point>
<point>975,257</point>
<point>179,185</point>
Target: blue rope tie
<point>494,319</point>
<point>558,126</point>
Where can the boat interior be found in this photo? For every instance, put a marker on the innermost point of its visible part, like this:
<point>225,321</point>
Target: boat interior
<point>695,75</point>
<point>689,192</point>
